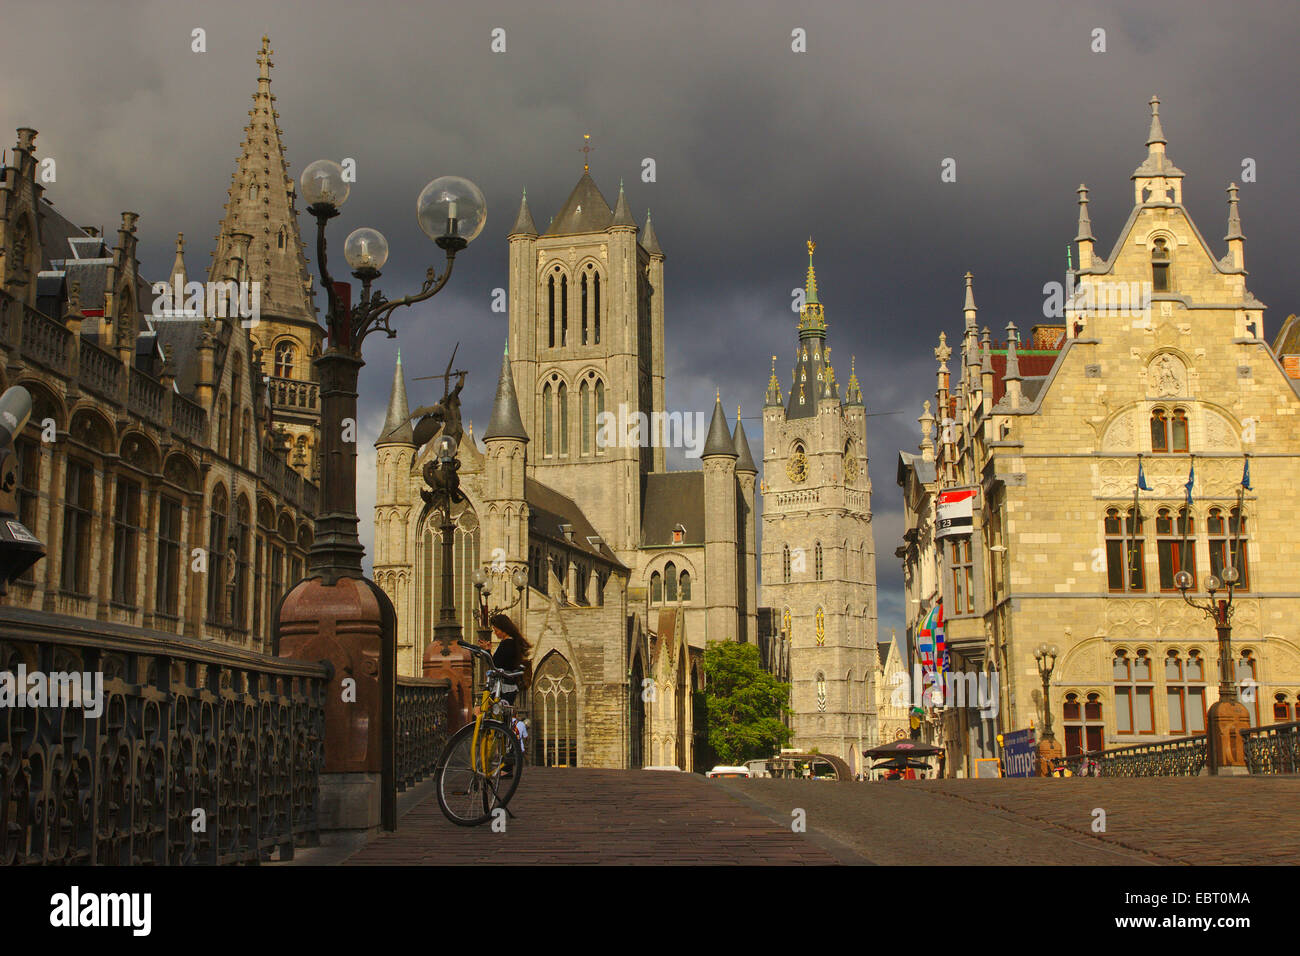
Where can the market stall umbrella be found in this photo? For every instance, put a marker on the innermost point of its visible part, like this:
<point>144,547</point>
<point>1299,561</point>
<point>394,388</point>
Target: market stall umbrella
<point>903,748</point>
<point>901,763</point>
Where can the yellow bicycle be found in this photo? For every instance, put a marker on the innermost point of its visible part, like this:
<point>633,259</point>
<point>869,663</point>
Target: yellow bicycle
<point>480,767</point>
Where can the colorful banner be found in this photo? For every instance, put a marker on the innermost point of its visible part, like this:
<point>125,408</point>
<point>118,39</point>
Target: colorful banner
<point>955,511</point>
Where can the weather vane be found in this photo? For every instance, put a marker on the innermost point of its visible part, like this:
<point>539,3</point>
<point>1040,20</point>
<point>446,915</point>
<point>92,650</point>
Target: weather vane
<point>586,151</point>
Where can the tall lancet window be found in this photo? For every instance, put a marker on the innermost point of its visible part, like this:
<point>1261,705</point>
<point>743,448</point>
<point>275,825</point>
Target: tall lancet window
<point>548,423</point>
<point>1160,266</point>
<point>562,395</point>
<point>585,306</point>
<point>595,311</point>
<point>564,310</point>
<point>584,402</point>
<point>600,410</point>
<point>550,310</point>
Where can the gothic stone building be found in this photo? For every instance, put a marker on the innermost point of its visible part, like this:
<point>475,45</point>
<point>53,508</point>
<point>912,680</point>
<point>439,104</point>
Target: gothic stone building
<point>155,469</point>
<point>632,567</point>
<point>819,556</point>
<point>1050,436</point>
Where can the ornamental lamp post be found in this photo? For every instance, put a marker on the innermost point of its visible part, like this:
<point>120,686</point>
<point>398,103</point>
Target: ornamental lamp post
<point>336,613</point>
<point>1049,752</point>
<point>1227,717</point>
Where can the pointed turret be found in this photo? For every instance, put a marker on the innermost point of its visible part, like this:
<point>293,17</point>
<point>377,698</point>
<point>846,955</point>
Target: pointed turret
<point>812,373</point>
<point>1153,180</point>
<point>773,387</point>
<point>261,206</point>
<point>506,422</point>
<point>853,393</point>
<point>968,306</point>
<point>524,225</point>
<point>622,214</point>
<point>649,241</point>
<point>719,440</point>
<point>397,423</point>
<point>178,275</point>
<point>744,458</point>
<point>1012,375</point>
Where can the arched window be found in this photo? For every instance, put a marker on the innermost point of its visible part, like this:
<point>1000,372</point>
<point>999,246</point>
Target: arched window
<point>1281,709</point>
<point>1227,548</point>
<point>1185,692</point>
<point>817,560</point>
<point>550,307</point>
<point>821,692</point>
<point>281,238</point>
<point>585,304</point>
<point>821,627</point>
<point>1118,536</point>
<point>1173,555</point>
<point>548,422</point>
<point>284,356</point>
<point>670,581</point>
<point>1247,677</point>
<point>217,557</point>
<point>785,564</point>
<point>1134,693</point>
<point>1085,731</point>
<point>554,707</point>
<point>252,191</point>
<point>1169,431</point>
<point>656,588</point>
<point>600,410</point>
<point>584,405</point>
<point>562,399</point>
<point>223,427</point>
<point>595,311</point>
<point>685,585</point>
<point>564,310</point>
<point>1160,266</point>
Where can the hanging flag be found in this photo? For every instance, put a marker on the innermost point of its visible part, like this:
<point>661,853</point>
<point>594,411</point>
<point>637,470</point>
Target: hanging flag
<point>1142,478</point>
<point>1245,475</point>
<point>1191,480</point>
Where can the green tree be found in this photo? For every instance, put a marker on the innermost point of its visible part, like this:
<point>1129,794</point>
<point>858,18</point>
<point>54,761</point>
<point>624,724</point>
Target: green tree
<point>744,703</point>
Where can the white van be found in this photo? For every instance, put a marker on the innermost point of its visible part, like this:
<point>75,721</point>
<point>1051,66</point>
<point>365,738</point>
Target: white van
<point>721,770</point>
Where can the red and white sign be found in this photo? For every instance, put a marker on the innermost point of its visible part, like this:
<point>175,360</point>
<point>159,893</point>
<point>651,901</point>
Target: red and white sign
<point>955,512</point>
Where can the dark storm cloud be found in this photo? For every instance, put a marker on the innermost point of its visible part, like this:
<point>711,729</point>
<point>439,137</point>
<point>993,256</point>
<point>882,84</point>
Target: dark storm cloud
<point>756,148</point>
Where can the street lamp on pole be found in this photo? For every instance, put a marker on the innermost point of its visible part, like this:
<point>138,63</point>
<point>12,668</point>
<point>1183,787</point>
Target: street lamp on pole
<point>1048,750</point>
<point>1227,717</point>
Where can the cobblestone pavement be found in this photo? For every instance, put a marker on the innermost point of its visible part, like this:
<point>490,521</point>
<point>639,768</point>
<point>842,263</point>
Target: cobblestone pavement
<point>604,816</point>
<point>1169,821</point>
<point>649,817</point>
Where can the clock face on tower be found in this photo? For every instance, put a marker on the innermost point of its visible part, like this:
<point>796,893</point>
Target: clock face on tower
<point>797,466</point>
<point>850,468</point>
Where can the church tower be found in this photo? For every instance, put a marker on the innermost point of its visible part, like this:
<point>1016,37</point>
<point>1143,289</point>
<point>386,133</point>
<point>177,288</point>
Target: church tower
<point>259,242</point>
<point>819,568</point>
<point>586,338</point>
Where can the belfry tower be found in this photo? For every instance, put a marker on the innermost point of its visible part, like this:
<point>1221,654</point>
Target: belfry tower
<point>259,243</point>
<point>819,557</point>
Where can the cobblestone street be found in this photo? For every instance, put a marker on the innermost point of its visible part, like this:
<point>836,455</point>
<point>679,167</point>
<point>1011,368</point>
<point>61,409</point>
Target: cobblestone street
<point>643,817</point>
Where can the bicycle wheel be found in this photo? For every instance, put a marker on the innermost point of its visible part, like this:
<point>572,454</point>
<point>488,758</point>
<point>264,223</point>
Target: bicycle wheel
<point>471,782</point>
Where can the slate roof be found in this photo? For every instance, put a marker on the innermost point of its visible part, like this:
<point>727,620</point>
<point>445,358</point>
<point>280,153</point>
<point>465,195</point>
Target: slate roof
<point>584,211</point>
<point>1288,337</point>
<point>744,457</point>
<point>506,422</point>
<point>668,499</point>
<point>548,510</point>
<point>719,440</point>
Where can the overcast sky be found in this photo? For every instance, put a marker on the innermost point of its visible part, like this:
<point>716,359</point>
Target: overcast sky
<point>756,147</point>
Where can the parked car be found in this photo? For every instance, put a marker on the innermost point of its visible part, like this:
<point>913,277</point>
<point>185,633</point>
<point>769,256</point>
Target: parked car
<point>666,767</point>
<point>722,770</point>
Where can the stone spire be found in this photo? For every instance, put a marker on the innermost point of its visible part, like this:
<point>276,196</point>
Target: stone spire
<point>1012,376</point>
<point>1154,179</point>
<point>506,422</point>
<point>719,440</point>
<point>813,377</point>
<point>178,275</point>
<point>773,387</point>
<point>622,214</point>
<point>968,306</point>
<point>744,457</point>
<point>926,445</point>
<point>261,206</point>
<point>524,225</point>
<point>397,423</point>
<point>649,241</point>
<point>853,393</point>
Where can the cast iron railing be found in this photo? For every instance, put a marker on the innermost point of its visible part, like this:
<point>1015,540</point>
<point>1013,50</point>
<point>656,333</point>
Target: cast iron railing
<point>1273,748</point>
<point>193,753</point>
<point>1181,757</point>
<point>421,727</point>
